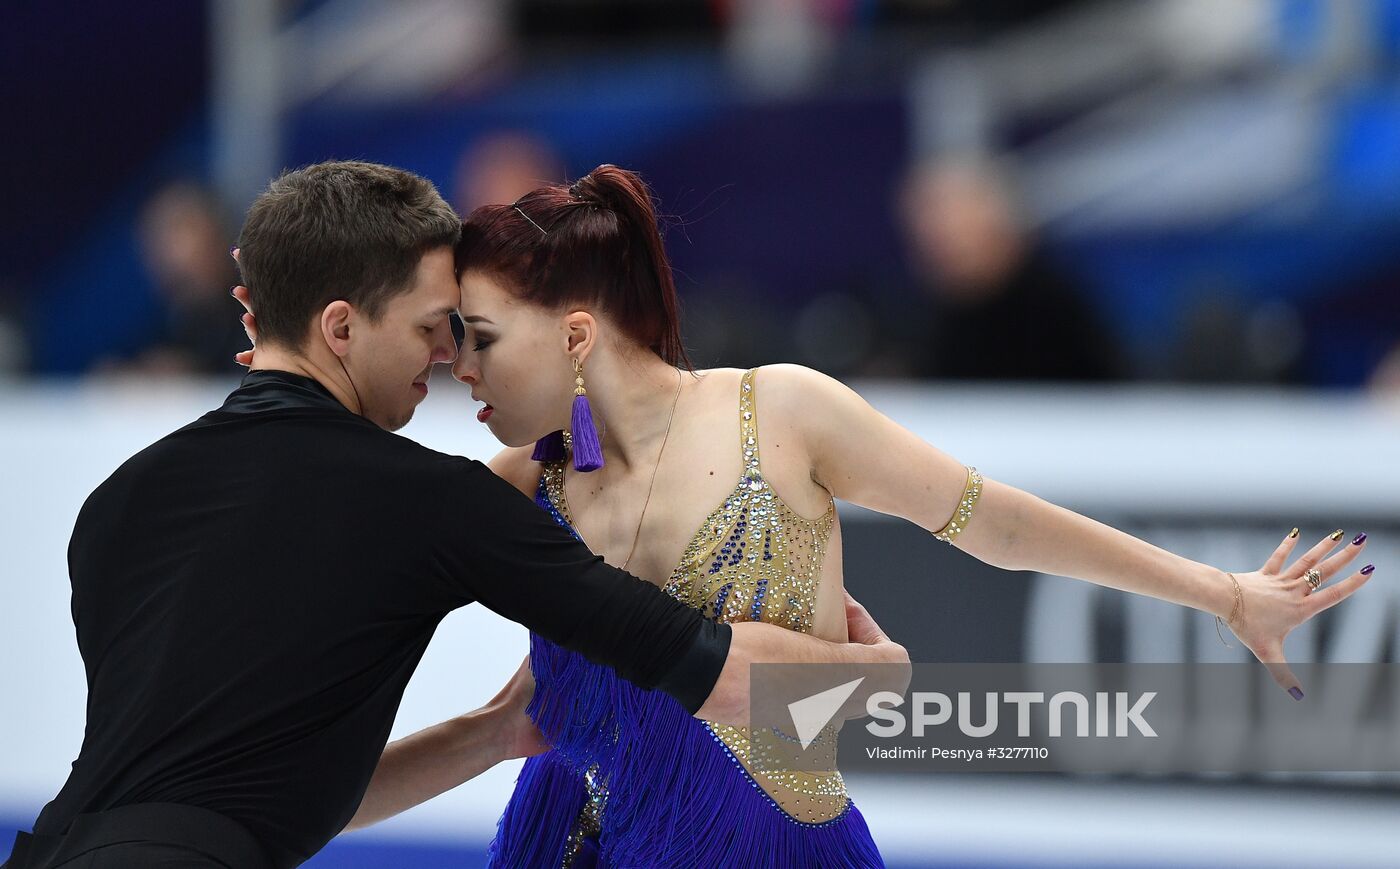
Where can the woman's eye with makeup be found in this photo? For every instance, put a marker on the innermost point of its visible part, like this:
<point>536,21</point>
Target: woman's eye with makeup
<point>480,345</point>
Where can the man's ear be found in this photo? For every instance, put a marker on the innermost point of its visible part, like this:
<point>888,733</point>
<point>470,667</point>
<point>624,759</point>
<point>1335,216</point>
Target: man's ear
<point>336,322</point>
<point>580,334</point>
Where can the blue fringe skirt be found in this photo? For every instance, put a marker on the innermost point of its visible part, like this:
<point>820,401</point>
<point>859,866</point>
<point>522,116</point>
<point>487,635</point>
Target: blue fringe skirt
<point>670,793</point>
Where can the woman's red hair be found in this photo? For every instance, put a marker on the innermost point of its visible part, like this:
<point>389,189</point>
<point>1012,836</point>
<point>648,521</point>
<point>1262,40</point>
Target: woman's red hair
<point>593,243</point>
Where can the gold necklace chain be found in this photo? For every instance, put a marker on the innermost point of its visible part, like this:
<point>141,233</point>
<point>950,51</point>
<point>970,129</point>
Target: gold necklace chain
<point>637,535</point>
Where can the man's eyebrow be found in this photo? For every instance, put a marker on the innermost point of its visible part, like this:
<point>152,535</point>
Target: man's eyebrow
<point>444,312</point>
<point>476,319</point>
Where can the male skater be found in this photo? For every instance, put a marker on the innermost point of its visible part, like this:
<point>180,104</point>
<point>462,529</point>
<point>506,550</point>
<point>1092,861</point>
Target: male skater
<point>252,592</point>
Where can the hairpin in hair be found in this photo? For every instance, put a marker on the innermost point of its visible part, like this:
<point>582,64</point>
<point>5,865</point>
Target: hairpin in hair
<point>532,223</point>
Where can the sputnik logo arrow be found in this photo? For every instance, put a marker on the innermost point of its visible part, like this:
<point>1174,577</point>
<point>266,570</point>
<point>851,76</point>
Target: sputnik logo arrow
<point>811,714</point>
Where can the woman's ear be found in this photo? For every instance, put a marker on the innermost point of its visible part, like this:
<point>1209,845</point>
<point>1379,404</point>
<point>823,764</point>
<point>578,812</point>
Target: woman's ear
<point>336,320</point>
<point>581,333</point>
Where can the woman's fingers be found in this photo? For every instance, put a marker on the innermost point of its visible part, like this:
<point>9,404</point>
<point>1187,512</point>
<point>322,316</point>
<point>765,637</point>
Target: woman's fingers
<point>1311,558</point>
<point>1280,556</point>
<point>250,328</point>
<point>250,325</point>
<point>244,298</point>
<point>1338,560</point>
<point>1273,660</point>
<point>1331,595</point>
<point>1319,599</point>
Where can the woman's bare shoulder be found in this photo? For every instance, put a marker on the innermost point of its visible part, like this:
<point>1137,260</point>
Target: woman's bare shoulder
<point>794,389</point>
<point>514,465</point>
<point>785,393</point>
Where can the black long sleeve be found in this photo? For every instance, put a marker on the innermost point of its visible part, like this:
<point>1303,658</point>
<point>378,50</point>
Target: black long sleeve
<point>252,593</point>
<point>520,564</point>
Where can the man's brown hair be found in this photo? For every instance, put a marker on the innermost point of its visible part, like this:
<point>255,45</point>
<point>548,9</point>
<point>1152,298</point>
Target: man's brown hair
<point>337,230</point>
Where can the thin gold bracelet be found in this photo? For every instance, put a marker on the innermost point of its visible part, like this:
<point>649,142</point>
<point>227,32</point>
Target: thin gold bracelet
<point>971,492</point>
<point>1235,611</point>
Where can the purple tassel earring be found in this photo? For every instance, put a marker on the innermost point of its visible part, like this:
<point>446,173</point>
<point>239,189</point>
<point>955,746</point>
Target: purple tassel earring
<point>549,448</point>
<point>588,453</point>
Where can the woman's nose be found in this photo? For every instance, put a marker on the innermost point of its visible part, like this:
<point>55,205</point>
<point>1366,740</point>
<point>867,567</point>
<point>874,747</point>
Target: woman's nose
<point>463,371</point>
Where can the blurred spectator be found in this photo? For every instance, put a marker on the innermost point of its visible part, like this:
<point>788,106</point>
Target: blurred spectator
<point>184,240</point>
<point>999,309</point>
<point>1228,339</point>
<point>14,348</point>
<point>970,19</point>
<point>1385,380</point>
<point>1366,343</point>
<point>615,22</point>
<point>501,167</point>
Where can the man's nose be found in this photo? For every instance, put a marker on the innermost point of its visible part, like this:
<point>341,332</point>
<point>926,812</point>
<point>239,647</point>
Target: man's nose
<point>445,350</point>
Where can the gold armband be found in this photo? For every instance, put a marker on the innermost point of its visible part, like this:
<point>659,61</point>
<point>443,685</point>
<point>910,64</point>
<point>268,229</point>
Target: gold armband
<point>971,492</point>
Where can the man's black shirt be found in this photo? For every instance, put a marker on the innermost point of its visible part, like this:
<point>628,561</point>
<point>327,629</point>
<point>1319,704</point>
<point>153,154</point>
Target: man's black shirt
<point>252,592</point>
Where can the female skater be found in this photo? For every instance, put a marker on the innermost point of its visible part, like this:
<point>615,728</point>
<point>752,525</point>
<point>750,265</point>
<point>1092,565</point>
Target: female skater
<point>719,486</point>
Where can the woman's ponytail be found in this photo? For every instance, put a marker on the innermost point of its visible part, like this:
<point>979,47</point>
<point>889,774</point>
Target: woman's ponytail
<point>594,241</point>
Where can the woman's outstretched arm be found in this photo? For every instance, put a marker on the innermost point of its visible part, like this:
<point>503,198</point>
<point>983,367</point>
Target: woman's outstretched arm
<point>862,456</point>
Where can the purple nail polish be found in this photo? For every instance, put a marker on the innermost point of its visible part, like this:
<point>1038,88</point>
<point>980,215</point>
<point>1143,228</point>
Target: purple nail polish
<point>1296,692</point>
<point>1368,570</point>
<point>1359,539</point>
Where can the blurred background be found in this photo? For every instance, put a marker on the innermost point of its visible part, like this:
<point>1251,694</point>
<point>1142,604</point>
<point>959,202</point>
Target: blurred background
<point>1140,257</point>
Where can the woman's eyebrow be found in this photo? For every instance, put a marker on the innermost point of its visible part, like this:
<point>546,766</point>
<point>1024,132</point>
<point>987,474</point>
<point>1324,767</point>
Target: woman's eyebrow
<point>476,319</point>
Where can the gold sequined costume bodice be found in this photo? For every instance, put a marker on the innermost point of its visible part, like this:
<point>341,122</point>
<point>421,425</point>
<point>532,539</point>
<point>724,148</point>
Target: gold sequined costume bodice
<point>753,559</point>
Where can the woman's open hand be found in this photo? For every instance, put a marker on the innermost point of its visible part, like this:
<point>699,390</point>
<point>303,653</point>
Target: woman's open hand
<point>1276,599</point>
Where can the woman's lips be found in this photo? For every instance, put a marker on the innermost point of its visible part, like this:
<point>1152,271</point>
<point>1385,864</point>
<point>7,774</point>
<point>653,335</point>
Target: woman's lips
<point>421,387</point>
<point>485,413</point>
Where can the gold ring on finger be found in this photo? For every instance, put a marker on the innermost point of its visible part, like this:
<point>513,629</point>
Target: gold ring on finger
<point>1313,577</point>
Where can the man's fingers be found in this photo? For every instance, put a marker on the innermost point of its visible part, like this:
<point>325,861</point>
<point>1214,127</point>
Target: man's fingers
<point>856,616</point>
<point>860,627</point>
